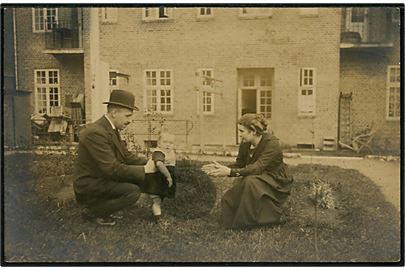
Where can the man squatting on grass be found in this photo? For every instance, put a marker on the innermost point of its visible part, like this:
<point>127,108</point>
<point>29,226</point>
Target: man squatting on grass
<point>107,176</point>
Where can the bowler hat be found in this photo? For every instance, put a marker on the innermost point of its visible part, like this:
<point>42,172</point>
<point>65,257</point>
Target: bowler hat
<point>122,98</point>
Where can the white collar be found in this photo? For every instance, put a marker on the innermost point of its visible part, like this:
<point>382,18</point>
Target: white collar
<point>109,120</point>
<point>254,146</point>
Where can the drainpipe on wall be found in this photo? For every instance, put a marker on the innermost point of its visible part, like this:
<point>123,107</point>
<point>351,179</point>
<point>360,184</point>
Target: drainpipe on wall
<point>15,49</point>
<point>16,78</point>
<point>338,127</point>
<point>92,98</point>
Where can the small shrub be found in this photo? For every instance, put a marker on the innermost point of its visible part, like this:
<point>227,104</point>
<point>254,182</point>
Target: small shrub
<point>195,195</point>
<point>322,194</point>
<point>131,142</point>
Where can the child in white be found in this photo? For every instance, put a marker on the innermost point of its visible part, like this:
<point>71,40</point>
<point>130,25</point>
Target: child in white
<point>162,183</point>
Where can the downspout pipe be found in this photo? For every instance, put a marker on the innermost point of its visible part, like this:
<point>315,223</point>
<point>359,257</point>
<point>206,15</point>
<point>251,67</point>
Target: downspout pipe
<point>15,76</point>
<point>15,49</point>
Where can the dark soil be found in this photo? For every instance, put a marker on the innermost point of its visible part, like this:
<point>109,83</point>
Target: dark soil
<point>39,226</point>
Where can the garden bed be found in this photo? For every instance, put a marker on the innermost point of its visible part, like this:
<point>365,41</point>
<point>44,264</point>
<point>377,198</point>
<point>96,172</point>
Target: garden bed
<point>358,226</point>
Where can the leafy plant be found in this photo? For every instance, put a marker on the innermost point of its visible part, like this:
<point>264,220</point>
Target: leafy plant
<point>322,194</point>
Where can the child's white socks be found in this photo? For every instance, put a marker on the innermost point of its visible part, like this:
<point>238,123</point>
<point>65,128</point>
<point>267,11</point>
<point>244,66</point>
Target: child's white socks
<point>157,201</point>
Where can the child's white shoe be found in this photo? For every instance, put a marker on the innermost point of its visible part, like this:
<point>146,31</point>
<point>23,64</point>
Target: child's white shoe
<point>156,209</point>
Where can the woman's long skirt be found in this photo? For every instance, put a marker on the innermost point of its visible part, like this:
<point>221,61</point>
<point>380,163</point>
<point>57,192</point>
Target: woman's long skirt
<point>255,200</point>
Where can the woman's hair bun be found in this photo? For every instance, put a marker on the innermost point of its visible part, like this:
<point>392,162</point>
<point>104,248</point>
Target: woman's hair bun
<point>255,122</point>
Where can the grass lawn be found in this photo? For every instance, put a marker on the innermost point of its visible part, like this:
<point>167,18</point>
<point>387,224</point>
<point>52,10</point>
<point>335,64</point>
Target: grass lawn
<point>358,226</point>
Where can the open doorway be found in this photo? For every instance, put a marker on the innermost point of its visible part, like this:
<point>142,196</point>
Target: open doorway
<point>248,100</point>
<point>255,92</point>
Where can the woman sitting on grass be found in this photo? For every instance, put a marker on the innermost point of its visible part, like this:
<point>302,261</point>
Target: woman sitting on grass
<point>264,183</point>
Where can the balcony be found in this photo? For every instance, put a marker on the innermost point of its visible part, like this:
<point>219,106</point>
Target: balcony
<point>367,27</point>
<point>65,37</point>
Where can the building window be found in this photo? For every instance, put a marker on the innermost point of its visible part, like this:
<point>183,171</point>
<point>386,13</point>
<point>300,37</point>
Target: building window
<point>208,103</point>
<point>356,21</point>
<point>204,13</point>
<point>109,15</point>
<point>253,13</point>
<point>306,92</point>
<point>159,91</point>
<point>358,15</point>
<point>156,14</point>
<point>44,19</point>
<point>47,90</point>
<point>393,93</point>
<point>265,103</point>
<point>309,12</point>
<point>265,82</point>
<point>207,75</point>
<point>206,86</point>
<point>248,80</point>
<point>114,82</point>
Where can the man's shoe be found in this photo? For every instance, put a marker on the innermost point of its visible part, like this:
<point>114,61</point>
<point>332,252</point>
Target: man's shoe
<point>89,216</point>
<point>108,221</point>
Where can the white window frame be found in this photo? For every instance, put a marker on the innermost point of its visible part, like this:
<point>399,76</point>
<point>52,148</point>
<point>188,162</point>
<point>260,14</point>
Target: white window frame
<point>309,12</point>
<point>114,83</point>
<point>250,77</point>
<point>47,86</point>
<point>306,105</point>
<point>158,88</point>
<point>390,84</point>
<point>205,16</point>
<point>207,91</point>
<point>45,29</point>
<point>153,14</point>
<point>268,92</point>
<point>255,13</point>
<point>109,15</point>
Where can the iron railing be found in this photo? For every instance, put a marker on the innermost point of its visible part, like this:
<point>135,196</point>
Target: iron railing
<point>148,130</point>
<point>64,34</point>
<point>366,25</point>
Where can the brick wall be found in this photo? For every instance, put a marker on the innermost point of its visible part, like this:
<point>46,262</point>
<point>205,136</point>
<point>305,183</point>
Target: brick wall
<point>364,73</point>
<point>226,43</point>
<point>30,56</point>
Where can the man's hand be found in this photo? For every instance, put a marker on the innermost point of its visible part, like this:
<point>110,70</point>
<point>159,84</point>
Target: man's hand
<point>150,166</point>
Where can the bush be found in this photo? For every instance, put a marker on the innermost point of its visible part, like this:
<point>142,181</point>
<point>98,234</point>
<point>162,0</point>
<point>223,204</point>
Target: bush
<point>195,194</point>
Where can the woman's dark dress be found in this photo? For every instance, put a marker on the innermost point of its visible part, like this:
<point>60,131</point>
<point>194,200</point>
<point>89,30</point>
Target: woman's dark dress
<point>156,183</point>
<point>256,199</point>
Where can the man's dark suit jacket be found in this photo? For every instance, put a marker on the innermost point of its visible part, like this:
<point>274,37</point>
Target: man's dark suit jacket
<point>102,158</point>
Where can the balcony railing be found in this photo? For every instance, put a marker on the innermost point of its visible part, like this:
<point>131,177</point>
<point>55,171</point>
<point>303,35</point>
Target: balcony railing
<point>366,26</point>
<point>64,35</point>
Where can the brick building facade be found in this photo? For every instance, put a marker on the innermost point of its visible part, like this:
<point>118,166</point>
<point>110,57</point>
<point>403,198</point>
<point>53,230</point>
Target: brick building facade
<point>201,68</point>
<point>370,73</point>
<point>257,56</point>
<point>42,52</point>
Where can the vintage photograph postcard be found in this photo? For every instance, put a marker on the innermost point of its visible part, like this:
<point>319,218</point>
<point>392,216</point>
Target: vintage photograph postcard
<point>217,134</point>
